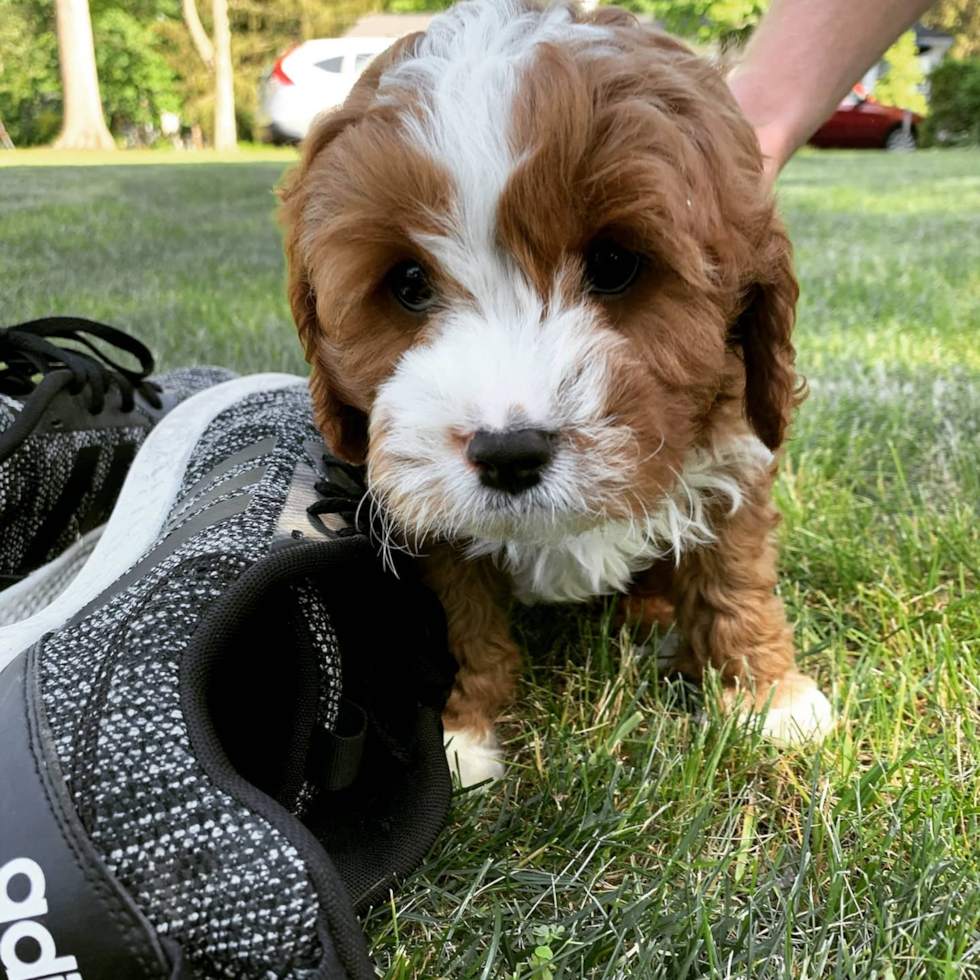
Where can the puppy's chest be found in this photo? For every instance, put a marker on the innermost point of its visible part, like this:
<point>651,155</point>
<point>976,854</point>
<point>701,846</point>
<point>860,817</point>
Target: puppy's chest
<point>579,568</point>
<point>606,558</point>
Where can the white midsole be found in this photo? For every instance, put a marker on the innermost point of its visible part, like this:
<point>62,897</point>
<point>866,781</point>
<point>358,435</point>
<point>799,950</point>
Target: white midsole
<point>44,584</point>
<point>144,502</point>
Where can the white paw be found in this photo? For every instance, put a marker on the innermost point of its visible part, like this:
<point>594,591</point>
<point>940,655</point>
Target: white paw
<point>798,712</point>
<point>473,758</point>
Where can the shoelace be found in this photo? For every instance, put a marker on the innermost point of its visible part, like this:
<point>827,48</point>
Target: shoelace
<point>341,500</point>
<point>27,351</point>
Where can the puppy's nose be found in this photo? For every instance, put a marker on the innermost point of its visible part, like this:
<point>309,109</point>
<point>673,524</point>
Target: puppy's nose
<point>511,460</point>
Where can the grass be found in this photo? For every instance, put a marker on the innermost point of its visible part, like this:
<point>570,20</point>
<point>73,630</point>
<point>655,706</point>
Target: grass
<point>636,837</point>
<point>45,157</point>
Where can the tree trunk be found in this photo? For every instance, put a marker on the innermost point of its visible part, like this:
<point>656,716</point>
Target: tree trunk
<point>199,36</point>
<point>84,125</point>
<point>225,134</point>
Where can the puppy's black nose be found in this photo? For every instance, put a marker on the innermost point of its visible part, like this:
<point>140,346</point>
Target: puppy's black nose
<point>512,460</point>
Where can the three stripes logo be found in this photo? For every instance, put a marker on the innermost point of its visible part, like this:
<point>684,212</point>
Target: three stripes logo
<point>84,479</point>
<point>27,949</point>
<point>209,501</point>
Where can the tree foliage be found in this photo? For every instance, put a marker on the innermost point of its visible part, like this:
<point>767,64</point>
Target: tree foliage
<point>137,80</point>
<point>954,91</point>
<point>261,30</point>
<point>146,61</point>
<point>733,20</point>
<point>724,21</point>
<point>30,87</point>
<point>900,84</point>
<point>415,6</point>
<point>961,18</point>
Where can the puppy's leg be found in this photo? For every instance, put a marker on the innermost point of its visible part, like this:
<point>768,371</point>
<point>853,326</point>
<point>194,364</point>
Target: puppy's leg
<point>729,617</point>
<point>647,605</point>
<point>473,595</point>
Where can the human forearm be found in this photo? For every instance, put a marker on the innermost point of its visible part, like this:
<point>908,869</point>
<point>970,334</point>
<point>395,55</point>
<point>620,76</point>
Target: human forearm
<point>804,57</point>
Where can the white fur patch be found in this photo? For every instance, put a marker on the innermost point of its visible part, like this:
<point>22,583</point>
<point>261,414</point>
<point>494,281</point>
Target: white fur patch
<point>473,758</point>
<point>606,558</point>
<point>801,714</point>
<point>516,365</point>
<point>798,711</point>
<point>463,79</point>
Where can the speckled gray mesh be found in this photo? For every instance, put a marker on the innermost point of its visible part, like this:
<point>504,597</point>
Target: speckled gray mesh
<point>204,869</point>
<point>324,641</point>
<point>33,477</point>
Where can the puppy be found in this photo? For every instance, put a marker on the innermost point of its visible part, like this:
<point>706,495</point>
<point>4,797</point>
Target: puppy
<point>539,277</point>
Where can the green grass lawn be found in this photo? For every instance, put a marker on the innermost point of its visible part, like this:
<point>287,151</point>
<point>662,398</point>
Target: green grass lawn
<point>634,836</point>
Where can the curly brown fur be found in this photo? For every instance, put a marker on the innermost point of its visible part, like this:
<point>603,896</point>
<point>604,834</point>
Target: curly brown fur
<point>672,388</point>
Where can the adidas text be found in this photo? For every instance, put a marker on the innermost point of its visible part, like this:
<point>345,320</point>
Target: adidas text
<point>17,923</point>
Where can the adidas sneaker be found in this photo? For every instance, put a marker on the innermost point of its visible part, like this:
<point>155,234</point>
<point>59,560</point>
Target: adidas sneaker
<point>71,421</point>
<point>224,738</point>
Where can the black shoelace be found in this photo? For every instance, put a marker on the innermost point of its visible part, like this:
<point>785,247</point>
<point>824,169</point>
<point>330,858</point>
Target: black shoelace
<point>27,351</point>
<point>341,497</point>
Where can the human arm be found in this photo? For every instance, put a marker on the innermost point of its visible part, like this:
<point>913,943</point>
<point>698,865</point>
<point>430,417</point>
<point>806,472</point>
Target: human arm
<point>803,59</point>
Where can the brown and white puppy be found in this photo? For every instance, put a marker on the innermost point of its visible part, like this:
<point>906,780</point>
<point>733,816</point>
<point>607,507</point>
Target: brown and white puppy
<point>538,274</point>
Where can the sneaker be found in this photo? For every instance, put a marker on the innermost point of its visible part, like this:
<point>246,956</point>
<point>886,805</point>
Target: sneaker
<point>236,745</point>
<point>71,421</point>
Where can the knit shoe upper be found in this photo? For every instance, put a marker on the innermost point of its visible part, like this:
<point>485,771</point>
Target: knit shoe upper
<point>68,439</point>
<point>246,723</point>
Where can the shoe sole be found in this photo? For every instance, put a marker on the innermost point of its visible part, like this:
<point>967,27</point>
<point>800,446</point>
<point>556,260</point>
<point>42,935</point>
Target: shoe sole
<point>144,502</point>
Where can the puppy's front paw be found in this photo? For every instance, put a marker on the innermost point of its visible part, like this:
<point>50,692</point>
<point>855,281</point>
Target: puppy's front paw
<point>798,711</point>
<point>473,757</point>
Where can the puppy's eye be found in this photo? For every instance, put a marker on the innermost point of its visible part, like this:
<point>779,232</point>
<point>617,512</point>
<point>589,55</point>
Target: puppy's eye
<point>610,269</point>
<point>410,285</point>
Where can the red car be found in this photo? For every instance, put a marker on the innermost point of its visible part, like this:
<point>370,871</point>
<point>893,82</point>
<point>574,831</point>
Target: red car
<point>861,123</point>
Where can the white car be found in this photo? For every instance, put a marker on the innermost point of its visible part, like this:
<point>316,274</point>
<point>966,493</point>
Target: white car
<point>310,78</point>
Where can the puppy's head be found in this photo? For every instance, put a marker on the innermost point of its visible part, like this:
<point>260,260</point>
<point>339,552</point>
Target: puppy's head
<point>534,262</point>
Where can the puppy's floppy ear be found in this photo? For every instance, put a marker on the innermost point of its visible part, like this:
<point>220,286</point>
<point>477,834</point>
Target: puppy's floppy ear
<point>343,426</point>
<point>764,331</point>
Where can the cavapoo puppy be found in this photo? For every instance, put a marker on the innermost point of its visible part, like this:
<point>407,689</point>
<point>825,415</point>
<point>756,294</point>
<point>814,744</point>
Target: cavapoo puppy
<point>547,301</point>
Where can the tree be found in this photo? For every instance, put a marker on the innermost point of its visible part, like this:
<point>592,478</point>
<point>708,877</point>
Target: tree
<point>899,85</point>
<point>84,126</point>
<point>725,21</point>
<point>216,57</point>
<point>225,133</point>
<point>416,6</point>
<point>961,18</point>
<point>147,61</point>
<point>954,97</point>
<point>30,87</point>
<point>138,83</point>
<point>136,79</point>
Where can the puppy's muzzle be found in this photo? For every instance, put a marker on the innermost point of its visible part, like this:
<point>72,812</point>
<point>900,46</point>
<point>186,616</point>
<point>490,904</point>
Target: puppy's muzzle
<point>512,460</point>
